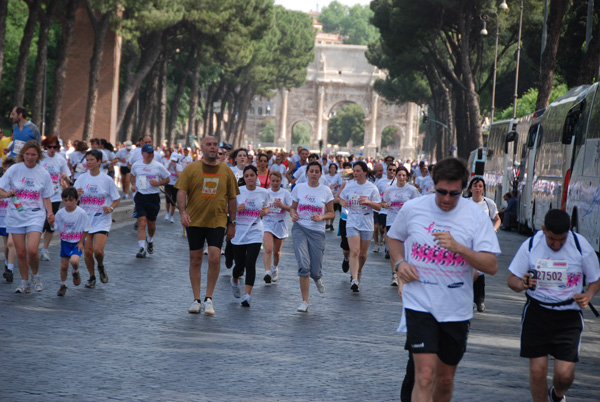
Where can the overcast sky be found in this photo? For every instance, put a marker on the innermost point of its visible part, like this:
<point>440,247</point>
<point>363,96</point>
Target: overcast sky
<point>308,5</point>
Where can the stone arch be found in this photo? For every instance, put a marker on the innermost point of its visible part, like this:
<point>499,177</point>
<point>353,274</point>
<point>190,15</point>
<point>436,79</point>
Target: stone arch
<point>328,116</point>
<point>399,136</point>
<point>311,125</point>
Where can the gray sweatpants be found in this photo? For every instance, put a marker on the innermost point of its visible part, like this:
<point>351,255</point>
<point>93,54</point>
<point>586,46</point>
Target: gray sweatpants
<point>309,247</point>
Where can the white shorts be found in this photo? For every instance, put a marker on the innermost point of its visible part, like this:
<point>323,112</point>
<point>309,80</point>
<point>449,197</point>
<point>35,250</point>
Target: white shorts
<point>25,229</point>
<point>365,235</point>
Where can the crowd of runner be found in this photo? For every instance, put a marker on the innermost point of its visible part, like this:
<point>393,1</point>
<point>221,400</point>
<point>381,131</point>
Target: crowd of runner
<point>437,229</point>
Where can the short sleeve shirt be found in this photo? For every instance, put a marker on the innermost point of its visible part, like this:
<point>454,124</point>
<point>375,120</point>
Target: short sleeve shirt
<point>72,225</point>
<point>311,201</point>
<point>144,172</point>
<point>209,189</point>
<point>360,216</point>
<point>98,191</point>
<point>396,197</point>
<point>55,166</point>
<point>249,228</point>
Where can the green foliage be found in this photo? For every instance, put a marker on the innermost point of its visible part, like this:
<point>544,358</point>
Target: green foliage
<point>526,103</point>
<point>389,135</point>
<point>347,124</point>
<point>353,23</point>
<point>301,134</point>
<point>266,130</point>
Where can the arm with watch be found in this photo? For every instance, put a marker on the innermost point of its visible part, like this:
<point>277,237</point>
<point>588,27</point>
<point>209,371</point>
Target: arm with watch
<point>231,209</point>
<point>406,272</point>
<point>108,209</point>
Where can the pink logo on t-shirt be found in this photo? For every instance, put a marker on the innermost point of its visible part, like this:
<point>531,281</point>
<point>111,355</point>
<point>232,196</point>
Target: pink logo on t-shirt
<point>429,228</point>
<point>436,254</point>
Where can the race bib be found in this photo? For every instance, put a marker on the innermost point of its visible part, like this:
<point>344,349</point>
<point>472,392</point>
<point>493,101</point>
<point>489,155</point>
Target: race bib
<point>354,203</point>
<point>17,146</point>
<point>142,182</point>
<point>79,168</point>
<point>273,209</point>
<point>551,274</point>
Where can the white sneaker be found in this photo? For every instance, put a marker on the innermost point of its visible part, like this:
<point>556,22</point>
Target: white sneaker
<point>267,276</point>
<point>246,300</point>
<point>24,287</point>
<point>167,216</point>
<point>37,283</point>
<point>394,280</point>
<point>172,220</point>
<point>303,307</point>
<point>376,249</point>
<point>195,308</point>
<point>235,289</point>
<point>208,307</point>
<point>320,285</point>
<point>44,255</point>
<point>274,274</point>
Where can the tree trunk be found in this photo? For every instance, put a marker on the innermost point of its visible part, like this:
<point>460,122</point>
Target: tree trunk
<point>24,48</point>
<point>175,102</point>
<point>100,29</point>
<point>41,65</point>
<point>557,11</point>
<point>3,13</point>
<point>129,123</point>
<point>60,74</point>
<point>162,120</point>
<point>193,104</point>
<point>151,46</point>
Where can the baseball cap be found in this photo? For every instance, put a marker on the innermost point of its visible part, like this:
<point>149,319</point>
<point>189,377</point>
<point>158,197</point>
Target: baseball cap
<point>148,148</point>
<point>128,144</point>
<point>174,158</point>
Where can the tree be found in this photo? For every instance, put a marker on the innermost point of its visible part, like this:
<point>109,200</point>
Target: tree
<point>24,49</point>
<point>301,134</point>
<point>347,124</point>
<point>351,22</point>
<point>266,130</point>
<point>390,136</point>
<point>3,13</point>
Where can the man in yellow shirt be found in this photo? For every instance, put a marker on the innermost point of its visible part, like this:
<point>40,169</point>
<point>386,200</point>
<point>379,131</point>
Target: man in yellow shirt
<point>4,143</point>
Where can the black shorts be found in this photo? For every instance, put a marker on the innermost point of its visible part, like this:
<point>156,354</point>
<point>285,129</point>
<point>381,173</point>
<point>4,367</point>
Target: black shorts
<point>375,217</point>
<point>382,220</point>
<point>550,332</point>
<point>171,194</point>
<point>124,170</point>
<point>55,208</point>
<point>448,340</point>
<point>147,205</point>
<point>198,235</point>
<point>102,232</point>
<point>337,207</point>
<point>344,243</point>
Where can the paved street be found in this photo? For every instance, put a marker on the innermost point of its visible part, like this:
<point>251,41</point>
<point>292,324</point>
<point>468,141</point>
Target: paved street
<point>133,339</point>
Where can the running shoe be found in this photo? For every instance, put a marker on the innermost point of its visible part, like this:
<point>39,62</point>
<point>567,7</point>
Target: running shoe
<point>150,247</point>
<point>246,300</point>
<point>345,265</point>
<point>37,283</point>
<point>205,251</point>
<point>320,285</point>
<point>8,275</point>
<point>480,307</point>
<point>103,274</point>
<point>44,255</point>
<point>91,283</point>
<point>167,216</point>
<point>208,307</point>
<point>274,274</point>
<point>141,253</point>
<point>354,286</point>
<point>376,249</point>
<point>551,399</point>
<point>76,278</point>
<point>62,291</point>
<point>235,289</point>
<point>172,220</point>
<point>267,277</point>
<point>195,308</point>
<point>394,280</point>
<point>222,252</point>
<point>24,287</point>
<point>303,307</point>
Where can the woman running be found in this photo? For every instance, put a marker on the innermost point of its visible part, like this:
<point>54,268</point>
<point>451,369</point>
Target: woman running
<point>394,198</point>
<point>276,230</point>
<point>262,166</point>
<point>240,156</point>
<point>252,206</point>
<point>361,197</point>
<point>171,163</point>
<point>477,190</point>
<point>312,205</point>
<point>98,197</point>
<point>29,187</point>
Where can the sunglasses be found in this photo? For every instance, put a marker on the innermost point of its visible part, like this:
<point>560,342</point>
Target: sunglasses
<point>441,191</point>
<point>53,146</point>
<point>220,153</point>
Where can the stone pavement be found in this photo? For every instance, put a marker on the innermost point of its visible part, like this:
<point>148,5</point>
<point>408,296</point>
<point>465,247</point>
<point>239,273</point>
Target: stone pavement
<point>133,339</point>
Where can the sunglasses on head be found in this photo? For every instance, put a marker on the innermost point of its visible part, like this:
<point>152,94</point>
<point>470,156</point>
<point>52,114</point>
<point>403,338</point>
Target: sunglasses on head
<point>441,191</point>
<point>53,146</point>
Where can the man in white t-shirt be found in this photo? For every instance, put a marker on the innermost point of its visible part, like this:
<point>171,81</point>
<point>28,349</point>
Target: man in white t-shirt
<point>436,242</point>
<point>552,267</point>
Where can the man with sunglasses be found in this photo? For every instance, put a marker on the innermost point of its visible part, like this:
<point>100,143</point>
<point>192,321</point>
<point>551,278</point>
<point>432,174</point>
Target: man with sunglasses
<point>437,241</point>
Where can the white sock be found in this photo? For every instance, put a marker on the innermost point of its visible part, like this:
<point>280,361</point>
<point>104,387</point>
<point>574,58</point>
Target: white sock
<point>268,272</point>
<point>63,283</point>
<point>274,268</point>
<point>149,239</point>
<point>142,243</point>
<point>11,267</point>
<point>168,215</point>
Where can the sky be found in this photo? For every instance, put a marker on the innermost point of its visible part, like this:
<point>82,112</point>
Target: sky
<point>308,5</point>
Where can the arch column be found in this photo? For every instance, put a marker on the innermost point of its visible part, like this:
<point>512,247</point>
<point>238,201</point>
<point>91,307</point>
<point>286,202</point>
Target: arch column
<point>281,140</point>
<point>320,101</point>
<point>371,127</point>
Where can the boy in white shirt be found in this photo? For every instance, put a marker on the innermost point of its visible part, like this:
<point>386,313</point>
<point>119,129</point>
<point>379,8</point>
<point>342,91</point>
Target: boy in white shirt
<point>73,225</point>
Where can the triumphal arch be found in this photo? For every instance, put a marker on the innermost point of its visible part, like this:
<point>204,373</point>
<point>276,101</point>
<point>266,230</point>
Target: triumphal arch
<point>341,74</point>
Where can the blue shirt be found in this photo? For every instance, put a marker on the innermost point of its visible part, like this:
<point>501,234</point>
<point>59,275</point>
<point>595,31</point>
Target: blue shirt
<point>21,136</point>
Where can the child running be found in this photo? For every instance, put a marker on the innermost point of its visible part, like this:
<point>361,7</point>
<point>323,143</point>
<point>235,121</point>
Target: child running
<point>73,224</point>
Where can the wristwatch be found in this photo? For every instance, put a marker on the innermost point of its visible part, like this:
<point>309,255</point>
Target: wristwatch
<point>233,223</point>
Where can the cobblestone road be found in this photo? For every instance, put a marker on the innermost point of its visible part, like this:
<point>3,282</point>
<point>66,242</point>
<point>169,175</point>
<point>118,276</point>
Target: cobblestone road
<point>133,339</point>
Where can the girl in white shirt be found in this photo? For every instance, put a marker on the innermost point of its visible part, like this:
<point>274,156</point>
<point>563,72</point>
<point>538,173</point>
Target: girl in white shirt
<point>253,204</point>
<point>361,198</point>
<point>312,205</point>
<point>335,182</point>
<point>240,156</point>
<point>276,230</point>
<point>29,187</point>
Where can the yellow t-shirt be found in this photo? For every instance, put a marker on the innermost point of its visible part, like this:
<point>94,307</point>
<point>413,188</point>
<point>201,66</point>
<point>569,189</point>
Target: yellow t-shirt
<point>209,188</point>
<point>4,142</point>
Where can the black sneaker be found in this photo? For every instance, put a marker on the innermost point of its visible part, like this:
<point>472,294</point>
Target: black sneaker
<point>150,247</point>
<point>8,275</point>
<point>345,265</point>
<point>387,254</point>
<point>91,283</point>
<point>267,278</point>
<point>141,253</point>
<point>354,286</point>
<point>103,274</point>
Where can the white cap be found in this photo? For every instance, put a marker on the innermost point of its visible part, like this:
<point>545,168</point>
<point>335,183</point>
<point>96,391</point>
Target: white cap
<point>128,144</point>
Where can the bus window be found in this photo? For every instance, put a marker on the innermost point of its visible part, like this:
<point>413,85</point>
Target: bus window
<point>594,124</point>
